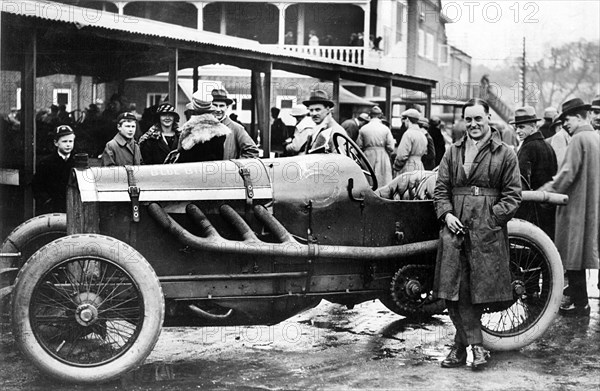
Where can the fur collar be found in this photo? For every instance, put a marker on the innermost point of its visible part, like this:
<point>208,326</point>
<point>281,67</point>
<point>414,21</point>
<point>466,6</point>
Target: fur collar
<point>200,129</point>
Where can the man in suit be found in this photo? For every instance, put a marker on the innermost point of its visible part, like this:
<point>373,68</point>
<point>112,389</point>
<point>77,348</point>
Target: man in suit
<point>352,125</point>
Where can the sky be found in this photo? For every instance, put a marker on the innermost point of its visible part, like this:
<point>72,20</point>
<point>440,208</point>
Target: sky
<point>492,31</point>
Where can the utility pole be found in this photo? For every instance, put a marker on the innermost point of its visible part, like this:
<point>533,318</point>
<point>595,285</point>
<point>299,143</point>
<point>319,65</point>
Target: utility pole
<point>523,75</point>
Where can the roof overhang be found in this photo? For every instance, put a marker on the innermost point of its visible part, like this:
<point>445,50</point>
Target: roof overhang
<point>112,47</point>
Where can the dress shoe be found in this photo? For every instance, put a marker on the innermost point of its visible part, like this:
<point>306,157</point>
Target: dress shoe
<point>572,309</point>
<point>480,356</point>
<point>456,358</point>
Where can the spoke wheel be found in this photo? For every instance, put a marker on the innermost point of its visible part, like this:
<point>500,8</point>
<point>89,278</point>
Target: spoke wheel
<point>537,276</point>
<point>87,308</point>
<point>344,145</point>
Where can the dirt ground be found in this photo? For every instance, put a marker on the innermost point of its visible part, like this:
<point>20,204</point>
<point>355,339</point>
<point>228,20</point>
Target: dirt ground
<point>335,348</point>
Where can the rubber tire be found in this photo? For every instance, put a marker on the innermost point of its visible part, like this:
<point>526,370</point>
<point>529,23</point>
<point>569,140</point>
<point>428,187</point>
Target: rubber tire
<point>110,249</point>
<point>26,239</point>
<point>525,230</point>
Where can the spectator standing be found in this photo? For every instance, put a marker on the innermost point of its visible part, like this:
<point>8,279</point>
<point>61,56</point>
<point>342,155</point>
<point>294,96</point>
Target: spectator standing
<point>123,150</point>
<point>278,132</point>
<point>352,125</point>
<point>477,192</point>
<point>548,129</point>
<point>304,129</point>
<point>289,38</point>
<point>52,174</point>
<point>162,137</point>
<point>537,164</point>
<point>320,108</point>
<point>595,113</point>
<point>376,140</point>
<point>313,40</point>
<point>559,141</point>
<point>413,144</point>
<point>238,143</point>
<point>429,158</point>
<point>436,132</point>
<point>576,234</point>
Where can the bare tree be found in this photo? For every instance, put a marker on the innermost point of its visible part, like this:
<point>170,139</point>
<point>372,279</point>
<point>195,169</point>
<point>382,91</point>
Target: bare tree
<point>570,70</point>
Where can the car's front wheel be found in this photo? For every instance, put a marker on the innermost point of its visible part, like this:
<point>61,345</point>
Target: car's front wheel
<point>87,308</point>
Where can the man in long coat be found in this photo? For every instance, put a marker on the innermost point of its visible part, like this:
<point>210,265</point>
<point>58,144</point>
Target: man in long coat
<point>376,140</point>
<point>477,192</point>
<point>576,235</point>
<point>413,145</point>
<point>537,163</point>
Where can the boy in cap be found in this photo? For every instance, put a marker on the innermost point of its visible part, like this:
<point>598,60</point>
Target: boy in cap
<point>576,230</point>
<point>123,150</point>
<point>52,174</point>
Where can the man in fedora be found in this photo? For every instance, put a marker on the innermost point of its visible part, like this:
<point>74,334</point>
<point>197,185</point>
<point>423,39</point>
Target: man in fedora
<point>352,125</point>
<point>304,128</point>
<point>595,113</point>
<point>238,144</point>
<point>577,240</point>
<point>320,108</point>
<point>376,140</point>
<point>548,129</point>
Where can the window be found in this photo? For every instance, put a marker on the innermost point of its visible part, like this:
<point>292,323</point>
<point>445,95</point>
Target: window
<point>285,101</point>
<point>421,47</point>
<point>399,21</point>
<point>154,98</point>
<point>444,55</point>
<point>429,46</point>
<point>246,104</point>
<point>62,96</point>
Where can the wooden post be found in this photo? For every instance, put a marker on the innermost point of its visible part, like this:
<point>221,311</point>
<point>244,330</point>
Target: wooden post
<point>28,78</point>
<point>336,97</point>
<point>195,77</point>
<point>254,91</point>
<point>387,110</point>
<point>173,67</point>
<point>428,107</point>
<point>263,108</point>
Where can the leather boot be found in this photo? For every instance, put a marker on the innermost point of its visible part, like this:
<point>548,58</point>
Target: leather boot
<point>480,356</point>
<point>456,358</point>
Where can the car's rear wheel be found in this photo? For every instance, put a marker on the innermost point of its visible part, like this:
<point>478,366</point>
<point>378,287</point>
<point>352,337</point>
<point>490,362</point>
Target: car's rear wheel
<point>87,309</point>
<point>537,278</point>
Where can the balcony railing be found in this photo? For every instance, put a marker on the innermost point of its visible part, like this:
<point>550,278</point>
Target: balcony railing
<point>354,55</point>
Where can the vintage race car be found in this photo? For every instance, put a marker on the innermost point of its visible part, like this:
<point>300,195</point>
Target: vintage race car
<point>239,242</point>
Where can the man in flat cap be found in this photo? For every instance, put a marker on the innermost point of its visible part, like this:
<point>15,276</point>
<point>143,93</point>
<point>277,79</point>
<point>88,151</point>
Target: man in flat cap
<point>412,146</point>
<point>376,140</point>
<point>576,234</point>
<point>238,144</point>
<point>320,108</point>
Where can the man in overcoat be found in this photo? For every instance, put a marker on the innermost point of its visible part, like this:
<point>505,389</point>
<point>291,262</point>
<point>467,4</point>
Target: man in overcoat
<point>537,163</point>
<point>376,140</point>
<point>576,235</point>
<point>477,192</point>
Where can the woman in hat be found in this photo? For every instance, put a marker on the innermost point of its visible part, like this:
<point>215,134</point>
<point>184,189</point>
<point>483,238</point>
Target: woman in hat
<point>162,137</point>
<point>202,137</point>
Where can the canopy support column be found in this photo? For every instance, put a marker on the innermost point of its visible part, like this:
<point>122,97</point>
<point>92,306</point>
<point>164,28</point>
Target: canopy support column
<point>28,79</point>
<point>173,87</point>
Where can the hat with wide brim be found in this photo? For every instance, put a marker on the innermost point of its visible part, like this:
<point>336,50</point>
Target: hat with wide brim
<point>571,106</point>
<point>364,116</point>
<point>595,103</point>
<point>198,106</point>
<point>524,115</point>
<point>319,97</point>
<point>220,95</point>
<point>165,109</point>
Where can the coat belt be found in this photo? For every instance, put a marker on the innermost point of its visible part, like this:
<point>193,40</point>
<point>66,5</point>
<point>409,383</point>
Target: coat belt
<point>476,191</point>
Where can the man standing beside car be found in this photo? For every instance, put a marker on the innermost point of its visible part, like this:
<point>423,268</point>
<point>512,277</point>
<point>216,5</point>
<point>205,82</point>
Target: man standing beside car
<point>477,192</point>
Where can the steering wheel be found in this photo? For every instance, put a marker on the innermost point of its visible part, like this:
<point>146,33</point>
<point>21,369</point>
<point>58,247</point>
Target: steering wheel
<point>349,148</point>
